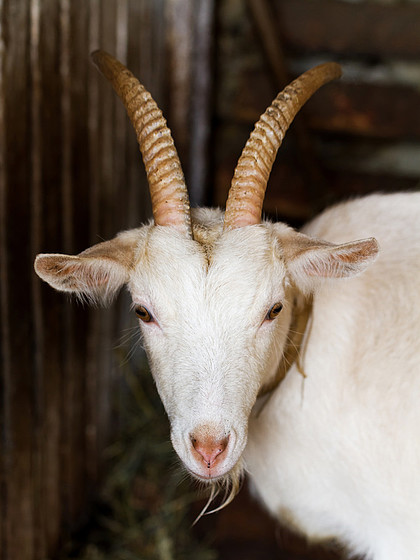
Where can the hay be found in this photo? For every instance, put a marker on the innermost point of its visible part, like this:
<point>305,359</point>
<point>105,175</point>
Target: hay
<point>144,513</point>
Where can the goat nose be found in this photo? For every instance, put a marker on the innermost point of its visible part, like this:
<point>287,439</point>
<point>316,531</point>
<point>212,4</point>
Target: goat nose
<point>209,449</point>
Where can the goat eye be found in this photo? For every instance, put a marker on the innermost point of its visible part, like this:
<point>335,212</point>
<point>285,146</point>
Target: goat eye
<point>274,311</point>
<point>143,314</point>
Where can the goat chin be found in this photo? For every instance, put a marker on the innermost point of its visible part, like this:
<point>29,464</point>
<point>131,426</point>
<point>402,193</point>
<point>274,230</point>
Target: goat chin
<point>228,485</point>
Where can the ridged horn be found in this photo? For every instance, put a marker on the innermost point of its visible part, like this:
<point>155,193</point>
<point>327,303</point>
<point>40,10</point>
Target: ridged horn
<point>246,194</point>
<point>170,202</point>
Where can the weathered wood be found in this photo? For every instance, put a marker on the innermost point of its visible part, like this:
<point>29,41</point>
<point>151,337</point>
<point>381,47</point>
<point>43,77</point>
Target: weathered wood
<point>386,111</point>
<point>40,521</point>
<point>103,320</point>
<point>200,119</point>
<point>189,27</point>
<point>365,28</point>
<point>287,197</point>
<point>273,50</point>
<point>375,111</point>
<point>5,346</point>
<point>92,335</point>
<point>139,56</point>
<point>180,18</point>
<point>19,446</point>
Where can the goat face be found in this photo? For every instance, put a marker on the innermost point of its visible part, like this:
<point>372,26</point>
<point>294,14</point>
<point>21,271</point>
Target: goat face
<point>204,317</point>
<point>209,309</point>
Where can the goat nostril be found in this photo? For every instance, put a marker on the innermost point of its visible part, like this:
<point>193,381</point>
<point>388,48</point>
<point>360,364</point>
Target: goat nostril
<point>209,449</point>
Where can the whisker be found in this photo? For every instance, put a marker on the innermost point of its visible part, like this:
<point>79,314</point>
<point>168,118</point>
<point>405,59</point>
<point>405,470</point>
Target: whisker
<point>129,354</point>
<point>213,493</point>
<point>126,338</point>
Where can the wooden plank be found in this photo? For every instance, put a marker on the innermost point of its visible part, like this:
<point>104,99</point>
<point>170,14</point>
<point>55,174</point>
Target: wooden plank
<point>66,213</point>
<point>189,44</point>
<point>374,111</point>
<point>5,346</point>
<point>274,55</point>
<point>120,118</point>
<point>39,435</point>
<point>19,439</point>
<point>362,29</point>
<point>180,47</point>
<point>288,195</point>
<point>73,342</point>
<point>93,77</point>
<point>108,214</point>
<point>79,215</point>
<point>202,87</point>
<point>139,58</point>
<point>388,158</point>
<point>53,306</point>
<point>383,111</point>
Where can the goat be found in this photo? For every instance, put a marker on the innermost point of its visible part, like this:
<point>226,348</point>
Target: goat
<point>291,355</point>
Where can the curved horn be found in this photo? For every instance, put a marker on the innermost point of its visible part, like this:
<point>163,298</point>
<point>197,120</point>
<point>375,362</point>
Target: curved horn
<point>168,190</point>
<point>246,194</point>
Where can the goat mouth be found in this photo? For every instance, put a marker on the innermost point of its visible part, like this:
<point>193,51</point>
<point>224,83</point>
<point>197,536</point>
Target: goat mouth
<point>229,483</point>
<point>208,477</point>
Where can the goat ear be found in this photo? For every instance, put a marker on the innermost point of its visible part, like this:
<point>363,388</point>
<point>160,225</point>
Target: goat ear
<point>96,275</point>
<point>310,260</point>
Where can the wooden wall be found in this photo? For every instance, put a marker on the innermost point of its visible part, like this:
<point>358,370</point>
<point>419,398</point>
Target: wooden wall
<point>358,135</point>
<point>70,176</point>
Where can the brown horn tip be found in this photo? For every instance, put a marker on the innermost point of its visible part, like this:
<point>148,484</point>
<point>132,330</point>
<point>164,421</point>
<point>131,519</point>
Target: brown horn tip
<point>170,201</point>
<point>246,194</point>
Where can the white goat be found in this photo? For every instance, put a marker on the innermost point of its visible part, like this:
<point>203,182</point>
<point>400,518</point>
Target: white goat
<point>295,358</point>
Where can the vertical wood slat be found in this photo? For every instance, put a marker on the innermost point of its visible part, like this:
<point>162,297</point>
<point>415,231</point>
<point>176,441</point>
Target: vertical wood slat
<point>36,239</point>
<point>5,347</point>
<point>137,199</point>
<point>200,101</point>
<point>180,15</point>
<point>19,489</point>
<point>67,491</point>
<point>80,182</point>
<point>189,34</point>
<point>121,50</point>
<point>108,206</point>
<point>52,505</point>
<point>94,165</point>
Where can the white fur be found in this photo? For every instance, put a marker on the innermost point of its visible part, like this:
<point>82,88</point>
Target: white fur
<point>338,453</point>
<point>335,454</point>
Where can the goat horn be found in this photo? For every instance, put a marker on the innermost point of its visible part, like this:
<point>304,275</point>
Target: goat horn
<point>246,194</point>
<point>168,190</point>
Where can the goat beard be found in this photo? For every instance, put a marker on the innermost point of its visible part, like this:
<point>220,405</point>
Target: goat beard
<point>230,485</point>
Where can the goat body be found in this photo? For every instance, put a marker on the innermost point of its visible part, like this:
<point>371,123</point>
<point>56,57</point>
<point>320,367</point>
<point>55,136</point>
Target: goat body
<point>336,454</point>
<point>333,452</point>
